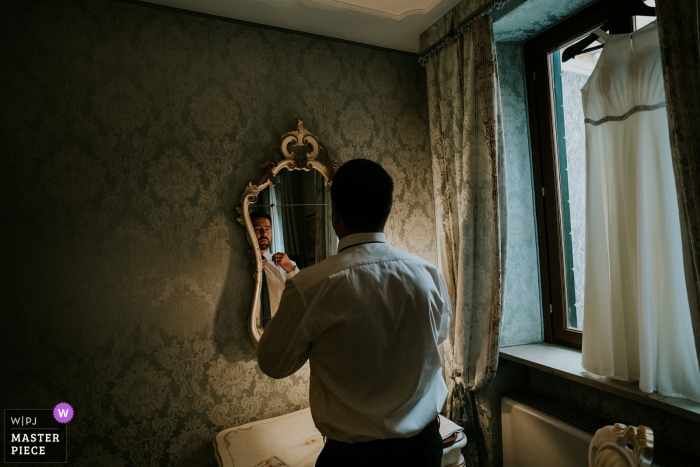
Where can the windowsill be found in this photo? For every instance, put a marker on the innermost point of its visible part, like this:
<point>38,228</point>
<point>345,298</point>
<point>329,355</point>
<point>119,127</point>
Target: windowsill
<point>566,363</point>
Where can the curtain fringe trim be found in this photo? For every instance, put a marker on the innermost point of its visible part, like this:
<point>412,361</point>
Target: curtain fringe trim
<point>457,32</point>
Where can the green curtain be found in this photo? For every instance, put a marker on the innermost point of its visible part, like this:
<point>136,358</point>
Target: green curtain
<point>463,98</point>
<point>679,38</point>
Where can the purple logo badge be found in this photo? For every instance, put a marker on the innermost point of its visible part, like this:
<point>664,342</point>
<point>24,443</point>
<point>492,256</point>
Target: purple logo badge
<point>63,412</point>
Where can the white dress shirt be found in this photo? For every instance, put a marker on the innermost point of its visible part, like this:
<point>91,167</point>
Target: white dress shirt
<point>370,320</point>
<point>276,278</point>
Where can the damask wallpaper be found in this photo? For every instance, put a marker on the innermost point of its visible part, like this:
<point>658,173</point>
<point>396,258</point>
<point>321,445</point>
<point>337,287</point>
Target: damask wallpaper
<point>515,22</point>
<point>128,134</point>
<point>521,20</point>
<point>521,322</point>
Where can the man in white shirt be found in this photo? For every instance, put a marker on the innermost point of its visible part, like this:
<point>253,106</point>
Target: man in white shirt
<point>277,268</point>
<point>370,321</point>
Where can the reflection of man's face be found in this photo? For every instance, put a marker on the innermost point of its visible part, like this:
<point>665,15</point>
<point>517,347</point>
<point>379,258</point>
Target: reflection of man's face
<point>263,232</point>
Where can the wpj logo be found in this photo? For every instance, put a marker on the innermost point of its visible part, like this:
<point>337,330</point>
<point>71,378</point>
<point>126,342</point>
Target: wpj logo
<point>23,421</point>
<point>37,435</point>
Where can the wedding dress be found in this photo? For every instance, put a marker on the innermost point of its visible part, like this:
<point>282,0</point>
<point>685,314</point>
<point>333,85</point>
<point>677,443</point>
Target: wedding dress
<point>637,324</point>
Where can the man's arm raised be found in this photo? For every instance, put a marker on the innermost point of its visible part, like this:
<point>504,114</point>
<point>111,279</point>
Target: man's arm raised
<point>284,346</point>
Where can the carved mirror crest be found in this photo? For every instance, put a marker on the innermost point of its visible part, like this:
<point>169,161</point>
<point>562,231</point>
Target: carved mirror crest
<point>287,217</point>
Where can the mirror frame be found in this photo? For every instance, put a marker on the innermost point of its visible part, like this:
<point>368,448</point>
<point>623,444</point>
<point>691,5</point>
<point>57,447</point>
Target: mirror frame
<point>315,159</point>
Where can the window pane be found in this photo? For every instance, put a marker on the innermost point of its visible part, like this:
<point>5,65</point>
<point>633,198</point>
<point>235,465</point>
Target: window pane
<point>567,80</point>
<point>641,21</point>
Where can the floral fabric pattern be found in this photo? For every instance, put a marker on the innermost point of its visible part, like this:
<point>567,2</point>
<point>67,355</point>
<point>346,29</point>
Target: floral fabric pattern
<point>129,133</point>
<point>464,112</point>
<point>453,24</point>
<point>679,38</point>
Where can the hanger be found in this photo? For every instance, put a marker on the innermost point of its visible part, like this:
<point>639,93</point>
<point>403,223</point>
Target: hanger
<point>623,10</point>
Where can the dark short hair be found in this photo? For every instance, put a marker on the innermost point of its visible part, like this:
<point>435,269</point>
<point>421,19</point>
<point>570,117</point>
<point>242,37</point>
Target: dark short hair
<point>259,214</point>
<point>362,192</point>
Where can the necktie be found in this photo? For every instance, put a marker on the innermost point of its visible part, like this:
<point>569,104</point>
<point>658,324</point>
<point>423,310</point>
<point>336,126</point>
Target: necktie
<point>265,311</point>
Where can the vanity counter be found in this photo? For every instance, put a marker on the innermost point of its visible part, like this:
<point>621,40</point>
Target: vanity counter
<point>292,438</point>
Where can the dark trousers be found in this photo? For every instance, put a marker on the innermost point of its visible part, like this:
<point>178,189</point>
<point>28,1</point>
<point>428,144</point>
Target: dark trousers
<point>426,453</point>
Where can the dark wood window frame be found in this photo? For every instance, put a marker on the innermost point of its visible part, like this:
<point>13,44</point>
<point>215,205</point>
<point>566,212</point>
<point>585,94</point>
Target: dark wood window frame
<point>544,161</point>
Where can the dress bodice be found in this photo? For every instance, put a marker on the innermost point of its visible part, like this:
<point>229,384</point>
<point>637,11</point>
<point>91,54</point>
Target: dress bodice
<point>628,75</point>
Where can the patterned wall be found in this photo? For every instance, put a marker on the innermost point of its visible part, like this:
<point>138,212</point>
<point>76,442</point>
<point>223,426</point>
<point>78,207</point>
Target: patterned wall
<point>515,22</point>
<point>520,20</point>
<point>522,306</point>
<point>128,134</point>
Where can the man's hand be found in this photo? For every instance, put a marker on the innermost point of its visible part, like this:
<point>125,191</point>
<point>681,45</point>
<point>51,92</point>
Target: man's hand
<point>283,261</point>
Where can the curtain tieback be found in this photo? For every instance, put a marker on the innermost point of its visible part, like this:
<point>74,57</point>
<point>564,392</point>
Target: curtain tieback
<point>456,370</point>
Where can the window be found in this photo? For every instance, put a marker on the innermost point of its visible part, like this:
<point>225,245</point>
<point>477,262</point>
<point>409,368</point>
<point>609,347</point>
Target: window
<point>559,165</point>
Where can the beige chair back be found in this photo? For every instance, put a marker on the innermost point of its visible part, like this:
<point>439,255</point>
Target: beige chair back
<point>610,447</point>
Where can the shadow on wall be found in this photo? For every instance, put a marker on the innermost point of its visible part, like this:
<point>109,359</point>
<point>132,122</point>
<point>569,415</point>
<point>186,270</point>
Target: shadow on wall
<point>230,321</point>
<point>129,133</point>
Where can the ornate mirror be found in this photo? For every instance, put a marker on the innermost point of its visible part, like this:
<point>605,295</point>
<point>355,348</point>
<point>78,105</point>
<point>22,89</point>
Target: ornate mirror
<point>287,217</point>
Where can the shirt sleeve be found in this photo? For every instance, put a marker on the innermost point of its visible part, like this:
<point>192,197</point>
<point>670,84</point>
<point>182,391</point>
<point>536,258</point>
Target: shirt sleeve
<point>293,273</point>
<point>284,345</point>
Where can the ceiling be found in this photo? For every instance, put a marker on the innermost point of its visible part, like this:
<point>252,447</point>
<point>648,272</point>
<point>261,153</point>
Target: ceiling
<point>394,24</point>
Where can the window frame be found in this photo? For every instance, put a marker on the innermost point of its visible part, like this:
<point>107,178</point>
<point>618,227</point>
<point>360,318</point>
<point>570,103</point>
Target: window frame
<point>545,164</point>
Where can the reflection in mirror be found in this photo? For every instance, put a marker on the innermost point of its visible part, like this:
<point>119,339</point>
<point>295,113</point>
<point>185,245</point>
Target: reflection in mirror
<point>293,228</point>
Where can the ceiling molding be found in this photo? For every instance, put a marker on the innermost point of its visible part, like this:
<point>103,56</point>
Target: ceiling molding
<point>356,5</point>
<point>390,24</point>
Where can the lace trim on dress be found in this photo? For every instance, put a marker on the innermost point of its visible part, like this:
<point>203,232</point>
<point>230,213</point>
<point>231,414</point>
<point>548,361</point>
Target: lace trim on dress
<point>633,110</point>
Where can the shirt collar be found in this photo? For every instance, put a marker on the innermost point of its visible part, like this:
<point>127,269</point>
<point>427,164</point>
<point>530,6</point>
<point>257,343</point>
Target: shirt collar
<point>363,237</point>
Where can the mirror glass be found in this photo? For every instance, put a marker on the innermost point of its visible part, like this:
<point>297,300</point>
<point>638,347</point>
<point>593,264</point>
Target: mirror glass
<point>292,224</point>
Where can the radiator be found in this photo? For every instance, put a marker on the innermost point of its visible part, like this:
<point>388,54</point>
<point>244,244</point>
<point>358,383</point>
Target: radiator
<point>533,438</point>
<point>541,430</point>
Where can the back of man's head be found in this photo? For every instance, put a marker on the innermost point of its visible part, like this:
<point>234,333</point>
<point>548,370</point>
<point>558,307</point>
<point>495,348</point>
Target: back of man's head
<point>362,192</point>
